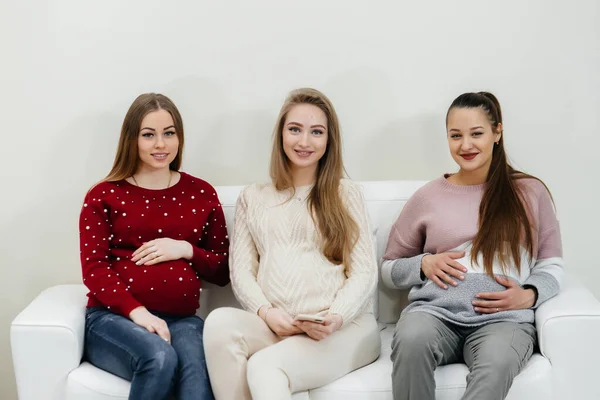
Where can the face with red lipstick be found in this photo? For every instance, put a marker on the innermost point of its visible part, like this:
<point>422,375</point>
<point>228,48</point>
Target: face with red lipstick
<point>158,143</point>
<point>305,136</point>
<point>471,138</point>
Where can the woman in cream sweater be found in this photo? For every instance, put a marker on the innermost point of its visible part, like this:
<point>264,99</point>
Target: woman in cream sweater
<point>302,265</point>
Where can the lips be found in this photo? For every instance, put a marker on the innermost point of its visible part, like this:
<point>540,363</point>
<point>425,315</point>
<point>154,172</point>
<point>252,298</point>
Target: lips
<point>304,154</point>
<point>469,156</point>
<point>160,156</point>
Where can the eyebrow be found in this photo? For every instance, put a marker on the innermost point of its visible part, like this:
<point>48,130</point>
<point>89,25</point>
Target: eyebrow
<point>473,128</point>
<point>154,130</point>
<point>312,126</point>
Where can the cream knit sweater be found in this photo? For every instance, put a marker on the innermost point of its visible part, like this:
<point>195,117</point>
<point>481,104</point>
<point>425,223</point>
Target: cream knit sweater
<point>276,256</point>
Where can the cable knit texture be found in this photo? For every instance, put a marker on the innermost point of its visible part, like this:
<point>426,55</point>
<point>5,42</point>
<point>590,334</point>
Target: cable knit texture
<point>276,255</point>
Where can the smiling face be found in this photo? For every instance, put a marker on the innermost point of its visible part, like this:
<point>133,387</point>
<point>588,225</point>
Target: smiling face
<point>471,139</point>
<point>305,137</point>
<point>158,143</point>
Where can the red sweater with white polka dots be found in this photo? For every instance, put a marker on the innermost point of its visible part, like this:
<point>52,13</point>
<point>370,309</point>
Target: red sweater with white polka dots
<point>118,217</point>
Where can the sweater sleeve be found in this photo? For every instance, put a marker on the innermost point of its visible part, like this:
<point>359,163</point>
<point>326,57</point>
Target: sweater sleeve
<point>401,263</point>
<point>95,236</point>
<point>361,274</point>
<point>244,260</point>
<point>547,271</point>
<point>210,258</point>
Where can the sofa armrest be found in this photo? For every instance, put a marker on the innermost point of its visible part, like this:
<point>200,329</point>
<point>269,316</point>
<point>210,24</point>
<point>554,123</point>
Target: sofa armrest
<point>568,328</point>
<point>47,341</point>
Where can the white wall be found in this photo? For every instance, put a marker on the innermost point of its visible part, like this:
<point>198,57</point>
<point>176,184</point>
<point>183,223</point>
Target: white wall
<point>71,68</point>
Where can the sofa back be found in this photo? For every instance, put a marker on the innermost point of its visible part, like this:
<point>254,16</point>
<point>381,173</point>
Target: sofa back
<point>384,200</point>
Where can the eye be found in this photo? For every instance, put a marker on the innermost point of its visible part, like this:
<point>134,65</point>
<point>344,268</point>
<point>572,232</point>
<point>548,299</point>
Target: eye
<point>455,136</point>
<point>169,133</point>
<point>317,132</point>
<point>294,129</point>
<point>147,134</point>
<point>477,133</point>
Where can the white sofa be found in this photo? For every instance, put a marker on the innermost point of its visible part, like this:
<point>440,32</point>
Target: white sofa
<point>47,337</point>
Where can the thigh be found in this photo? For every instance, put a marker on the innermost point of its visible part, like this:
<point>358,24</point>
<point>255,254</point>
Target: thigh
<point>228,326</point>
<point>418,332</point>
<point>116,344</point>
<point>309,363</point>
<point>186,338</point>
<point>507,345</point>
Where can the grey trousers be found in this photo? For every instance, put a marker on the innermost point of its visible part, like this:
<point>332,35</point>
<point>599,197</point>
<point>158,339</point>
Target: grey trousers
<point>494,353</point>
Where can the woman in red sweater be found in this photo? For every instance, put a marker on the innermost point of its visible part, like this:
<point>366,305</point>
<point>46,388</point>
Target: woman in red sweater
<point>149,236</point>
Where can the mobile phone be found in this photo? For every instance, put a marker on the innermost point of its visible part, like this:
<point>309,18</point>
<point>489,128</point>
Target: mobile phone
<point>312,318</point>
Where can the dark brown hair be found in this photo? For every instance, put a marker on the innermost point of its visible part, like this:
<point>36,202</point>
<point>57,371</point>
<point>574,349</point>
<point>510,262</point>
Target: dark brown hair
<point>504,222</point>
<point>127,158</point>
<point>334,222</point>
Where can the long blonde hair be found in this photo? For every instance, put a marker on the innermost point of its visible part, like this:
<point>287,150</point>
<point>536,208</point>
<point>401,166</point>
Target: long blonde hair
<point>334,222</point>
<point>127,158</point>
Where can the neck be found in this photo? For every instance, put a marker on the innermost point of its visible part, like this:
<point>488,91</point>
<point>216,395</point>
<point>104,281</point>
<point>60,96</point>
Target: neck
<point>304,176</point>
<point>154,179</point>
<point>477,177</point>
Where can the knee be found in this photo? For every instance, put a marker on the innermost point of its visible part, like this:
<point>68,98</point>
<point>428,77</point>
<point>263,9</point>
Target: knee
<point>412,340</point>
<point>261,367</point>
<point>220,325</point>
<point>161,358</point>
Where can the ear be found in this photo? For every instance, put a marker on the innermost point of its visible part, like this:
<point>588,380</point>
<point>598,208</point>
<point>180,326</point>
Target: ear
<point>498,133</point>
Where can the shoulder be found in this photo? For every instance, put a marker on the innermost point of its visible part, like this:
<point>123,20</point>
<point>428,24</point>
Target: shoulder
<point>103,189</point>
<point>257,192</point>
<point>350,188</point>
<point>424,195</point>
<point>196,184</point>
<point>533,188</point>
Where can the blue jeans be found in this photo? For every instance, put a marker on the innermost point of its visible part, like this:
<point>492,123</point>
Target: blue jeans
<point>157,370</point>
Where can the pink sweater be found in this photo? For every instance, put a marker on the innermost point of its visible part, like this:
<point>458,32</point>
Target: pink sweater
<point>443,217</point>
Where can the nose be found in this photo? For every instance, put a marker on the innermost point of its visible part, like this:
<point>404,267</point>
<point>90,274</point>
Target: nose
<point>466,144</point>
<point>160,142</point>
<point>303,140</point>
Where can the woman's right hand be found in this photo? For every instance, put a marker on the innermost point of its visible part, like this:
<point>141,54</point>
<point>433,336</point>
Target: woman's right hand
<point>442,267</point>
<point>280,322</point>
<point>151,322</point>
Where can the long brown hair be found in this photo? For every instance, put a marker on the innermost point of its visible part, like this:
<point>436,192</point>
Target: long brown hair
<point>127,158</point>
<point>504,223</point>
<point>334,222</point>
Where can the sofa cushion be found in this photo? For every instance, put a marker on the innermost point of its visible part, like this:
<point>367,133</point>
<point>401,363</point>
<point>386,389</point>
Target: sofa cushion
<point>91,383</point>
<point>374,382</point>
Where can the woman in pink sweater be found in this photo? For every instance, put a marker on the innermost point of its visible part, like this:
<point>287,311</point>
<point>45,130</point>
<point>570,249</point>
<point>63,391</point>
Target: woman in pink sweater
<point>480,250</point>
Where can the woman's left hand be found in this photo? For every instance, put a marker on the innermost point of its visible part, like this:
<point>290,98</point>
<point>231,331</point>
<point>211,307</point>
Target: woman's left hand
<point>161,250</point>
<point>317,331</point>
<point>513,298</point>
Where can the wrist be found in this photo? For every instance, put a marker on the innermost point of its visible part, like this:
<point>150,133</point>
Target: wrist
<point>338,320</point>
<point>532,292</point>
<point>263,310</point>
<point>188,250</point>
<point>136,311</point>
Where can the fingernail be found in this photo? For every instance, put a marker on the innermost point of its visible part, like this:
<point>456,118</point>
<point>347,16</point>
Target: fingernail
<point>462,277</point>
<point>454,283</point>
<point>138,263</point>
